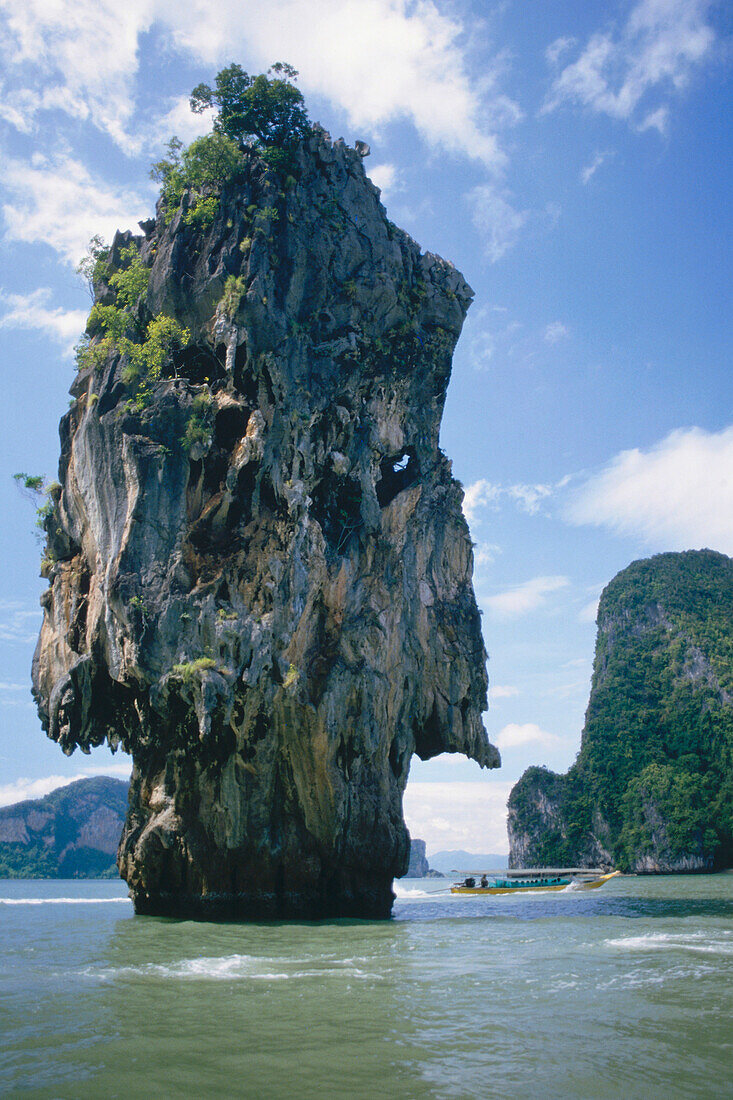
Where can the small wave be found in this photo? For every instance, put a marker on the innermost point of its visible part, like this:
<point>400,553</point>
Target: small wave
<point>63,901</point>
<point>700,942</point>
<point>412,892</point>
<point>228,968</point>
<point>645,976</point>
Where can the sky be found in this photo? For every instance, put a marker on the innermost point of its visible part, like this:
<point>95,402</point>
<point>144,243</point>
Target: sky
<point>571,157</point>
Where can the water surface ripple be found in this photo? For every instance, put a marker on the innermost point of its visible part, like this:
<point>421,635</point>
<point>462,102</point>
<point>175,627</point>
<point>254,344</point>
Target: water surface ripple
<point>622,992</point>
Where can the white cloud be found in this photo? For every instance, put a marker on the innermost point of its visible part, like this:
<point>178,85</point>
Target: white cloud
<point>513,736</point>
<point>59,203</point>
<point>179,120</point>
<point>656,120</point>
<point>19,622</point>
<point>478,495</point>
<point>485,553</point>
<point>502,691</point>
<point>587,173</point>
<point>498,222</point>
<point>555,331</point>
<point>555,50</point>
<point>386,177</point>
<point>529,498</point>
<point>656,51</point>
<point>31,311</point>
<point>676,496</point>
<point>22,789</point>
<point>80,58</point>
<point>589,613</point>
<point>379,60</point>
<point>524,597</point>
<point>468,815</point>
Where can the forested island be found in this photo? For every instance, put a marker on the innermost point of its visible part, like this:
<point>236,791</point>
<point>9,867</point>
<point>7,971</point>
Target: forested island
<point>652,787</point>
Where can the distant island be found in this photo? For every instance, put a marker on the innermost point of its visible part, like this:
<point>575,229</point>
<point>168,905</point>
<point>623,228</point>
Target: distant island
<point>419,866</point>
<point>652,788</point>
<point>71,833</point>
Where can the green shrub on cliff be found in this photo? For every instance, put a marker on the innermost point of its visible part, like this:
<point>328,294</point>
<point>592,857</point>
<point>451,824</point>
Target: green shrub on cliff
<point>198,428</point>
<point>203,168</point>
<point>656,763</point>
<point>188,670</point>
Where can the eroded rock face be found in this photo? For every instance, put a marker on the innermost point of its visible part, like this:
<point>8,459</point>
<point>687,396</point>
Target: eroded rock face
<point>274,619</point>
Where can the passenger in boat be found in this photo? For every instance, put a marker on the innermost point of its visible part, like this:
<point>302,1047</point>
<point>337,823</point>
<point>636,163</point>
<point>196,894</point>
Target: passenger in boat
<point>484,882</point>
<point>470,883</point>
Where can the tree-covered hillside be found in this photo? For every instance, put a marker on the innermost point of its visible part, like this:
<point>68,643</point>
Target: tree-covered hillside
<point>652,788</point>
<point>71,833</point>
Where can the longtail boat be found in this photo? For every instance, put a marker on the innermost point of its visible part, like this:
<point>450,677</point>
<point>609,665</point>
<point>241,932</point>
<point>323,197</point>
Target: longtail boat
<point>535,880</point>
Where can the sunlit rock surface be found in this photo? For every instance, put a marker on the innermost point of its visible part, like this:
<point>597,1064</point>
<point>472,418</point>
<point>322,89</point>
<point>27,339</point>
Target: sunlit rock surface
<point>273,621</point>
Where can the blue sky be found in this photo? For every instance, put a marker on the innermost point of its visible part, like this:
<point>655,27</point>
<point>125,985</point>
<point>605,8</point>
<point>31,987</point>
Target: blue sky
<point>572,159</point>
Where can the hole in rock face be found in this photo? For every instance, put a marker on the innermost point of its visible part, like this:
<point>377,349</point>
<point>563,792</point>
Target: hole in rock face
<point>398,472</point>
<point>337,507</point>
<point>230,426</point>
<point>198,364</point>
<point>429,736</point>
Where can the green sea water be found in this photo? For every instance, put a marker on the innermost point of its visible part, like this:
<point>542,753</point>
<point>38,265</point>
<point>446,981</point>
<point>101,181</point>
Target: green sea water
<point>621,992</point>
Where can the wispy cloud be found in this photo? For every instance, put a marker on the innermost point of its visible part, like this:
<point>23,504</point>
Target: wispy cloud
<point>485,553</point>
<point>587,173</point>
<point>556,49</point>
<point>32,311</point>
<point>528,497</point>
<point>525,597</point>
<point>677,495</point>
<point>656,51</point>
<point>458,815</point>
<point>56,201</point>
<point>502,691</point>
<point>477,495</point>
<point>656,120</point>
<point>555,331</point>
<point>379,60</point>
<point>496,219</point>
<point>19,622</point>
<point>589,612</point>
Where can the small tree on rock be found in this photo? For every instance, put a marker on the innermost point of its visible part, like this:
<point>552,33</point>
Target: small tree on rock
<point>266,108</point>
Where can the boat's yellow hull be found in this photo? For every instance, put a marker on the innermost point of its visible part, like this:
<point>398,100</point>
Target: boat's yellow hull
<point>592,885</point>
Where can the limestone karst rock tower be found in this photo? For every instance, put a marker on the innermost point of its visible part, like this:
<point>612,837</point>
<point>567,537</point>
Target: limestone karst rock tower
<point>260,576</point>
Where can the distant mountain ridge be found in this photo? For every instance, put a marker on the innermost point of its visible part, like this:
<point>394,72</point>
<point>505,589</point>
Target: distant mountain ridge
<point>459,860</point>
<point>71,833</point>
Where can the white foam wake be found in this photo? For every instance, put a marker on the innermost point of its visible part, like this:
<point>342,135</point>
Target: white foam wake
<point>64,901</point>
<point>231,968</point>
<point>411,892</point>
<point>719,944</point>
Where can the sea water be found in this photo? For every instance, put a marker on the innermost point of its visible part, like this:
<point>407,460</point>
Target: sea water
<point>620,992</point>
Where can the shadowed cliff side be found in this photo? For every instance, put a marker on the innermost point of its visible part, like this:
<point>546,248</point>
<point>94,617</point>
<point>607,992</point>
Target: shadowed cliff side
<point>260,575</point>
<point>652,788</point>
